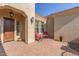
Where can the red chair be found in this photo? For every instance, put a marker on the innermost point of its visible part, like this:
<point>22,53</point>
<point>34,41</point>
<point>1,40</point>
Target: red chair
<point>45,34</point>
<point>38,36</point>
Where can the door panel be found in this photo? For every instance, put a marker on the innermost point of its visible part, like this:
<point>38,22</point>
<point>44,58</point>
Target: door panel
<point>8,29</point>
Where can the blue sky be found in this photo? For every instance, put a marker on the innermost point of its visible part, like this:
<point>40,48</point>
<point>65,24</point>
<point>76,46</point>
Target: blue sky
<point>45,9</point>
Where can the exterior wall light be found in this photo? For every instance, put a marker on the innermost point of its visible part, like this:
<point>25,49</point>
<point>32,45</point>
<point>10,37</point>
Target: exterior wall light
<point>11,14</point>
<point>32,20</point>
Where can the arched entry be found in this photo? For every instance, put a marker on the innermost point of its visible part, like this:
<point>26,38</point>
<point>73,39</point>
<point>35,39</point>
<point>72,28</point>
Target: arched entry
<point>12,26</point>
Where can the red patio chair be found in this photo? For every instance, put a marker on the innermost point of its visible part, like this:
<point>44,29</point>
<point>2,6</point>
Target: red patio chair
<point>38,36</point>
<point>45,34</point>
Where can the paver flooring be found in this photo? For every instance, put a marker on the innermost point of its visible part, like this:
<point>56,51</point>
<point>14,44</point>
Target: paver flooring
<point>46,47</point>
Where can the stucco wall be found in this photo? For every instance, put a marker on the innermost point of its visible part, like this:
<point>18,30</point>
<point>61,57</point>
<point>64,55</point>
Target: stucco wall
<point>68,27</point>
<point>29,10</point>
<point>50,27</point>
<point>40,18</point>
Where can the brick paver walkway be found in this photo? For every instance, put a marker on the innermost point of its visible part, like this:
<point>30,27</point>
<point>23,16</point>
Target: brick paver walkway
<point>46,47</point>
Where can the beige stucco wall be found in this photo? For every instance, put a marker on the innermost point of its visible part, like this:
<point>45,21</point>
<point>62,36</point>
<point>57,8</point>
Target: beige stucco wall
<point>29,10</point>
<point>50,26</point>
<point>67,26</point>
<point>40,18</point>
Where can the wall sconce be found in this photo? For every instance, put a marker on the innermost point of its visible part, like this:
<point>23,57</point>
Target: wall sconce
<point>11,14</point>
<point>32,20</point>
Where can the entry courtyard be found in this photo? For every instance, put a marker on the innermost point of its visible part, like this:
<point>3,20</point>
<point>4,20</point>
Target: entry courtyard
<point>45,47</point>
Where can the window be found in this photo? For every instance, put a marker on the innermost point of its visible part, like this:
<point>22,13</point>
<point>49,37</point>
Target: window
<point>36,26</point>
<point>39,26</point>
<point>42,26</point>
<point>17,27</point>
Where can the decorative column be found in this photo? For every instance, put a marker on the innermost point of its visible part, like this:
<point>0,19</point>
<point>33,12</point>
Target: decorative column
<point>26,30</point>
<point>15,37</point>
<point>31,29</point>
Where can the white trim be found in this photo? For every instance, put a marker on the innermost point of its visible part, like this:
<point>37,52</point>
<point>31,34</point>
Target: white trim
<point>15,38</point>
<point>2,30</point>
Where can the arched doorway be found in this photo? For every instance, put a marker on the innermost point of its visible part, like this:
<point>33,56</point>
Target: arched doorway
<point>12,26</point>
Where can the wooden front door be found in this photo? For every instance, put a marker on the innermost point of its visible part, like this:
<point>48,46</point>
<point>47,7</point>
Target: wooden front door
<point>8,29</point>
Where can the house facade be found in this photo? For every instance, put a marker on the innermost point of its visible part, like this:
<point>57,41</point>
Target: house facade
<point>63,25</point>
<point>66,25</point>
<point>17,22</point>
<point>20,22</point>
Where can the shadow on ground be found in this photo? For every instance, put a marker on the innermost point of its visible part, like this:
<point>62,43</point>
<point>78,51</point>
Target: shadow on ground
<point>73,47</point>
<point>68,49</point>
<point>74,44</point>
<point>2,51</point>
